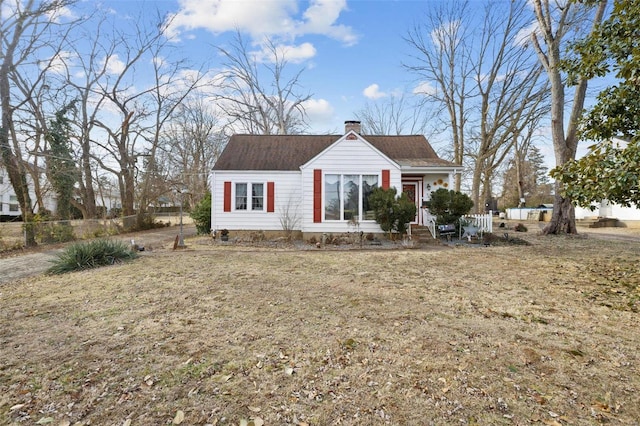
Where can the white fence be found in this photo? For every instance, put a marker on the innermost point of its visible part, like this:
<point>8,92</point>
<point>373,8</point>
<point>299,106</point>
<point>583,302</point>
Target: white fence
<point>484,222</point>
<point>526,213</point>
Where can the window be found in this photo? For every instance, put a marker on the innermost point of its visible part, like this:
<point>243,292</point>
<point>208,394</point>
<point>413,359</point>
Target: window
<point>241,196</point>
<point>257,196</point>
<point>351,197</point>
<point>13,204</point>
<point>332,197</point>
<point>346,197</point>
<point>369,183</point>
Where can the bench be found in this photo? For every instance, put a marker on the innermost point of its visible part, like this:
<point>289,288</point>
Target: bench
<point>446,231</point>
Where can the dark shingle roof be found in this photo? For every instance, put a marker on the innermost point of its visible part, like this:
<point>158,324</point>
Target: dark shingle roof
<point>289,152</point>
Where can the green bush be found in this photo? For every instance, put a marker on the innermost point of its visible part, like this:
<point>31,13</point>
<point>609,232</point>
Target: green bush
<point>392,213</point>
<point>201,215</point>
<point>449,206</point>
<point>91,255</point>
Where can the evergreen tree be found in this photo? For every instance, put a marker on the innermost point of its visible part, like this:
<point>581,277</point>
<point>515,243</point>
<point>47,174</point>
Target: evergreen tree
<point>61,168</point>
<point>533,181</point>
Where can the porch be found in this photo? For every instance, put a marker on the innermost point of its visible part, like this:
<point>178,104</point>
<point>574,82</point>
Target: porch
<point>470,225</point>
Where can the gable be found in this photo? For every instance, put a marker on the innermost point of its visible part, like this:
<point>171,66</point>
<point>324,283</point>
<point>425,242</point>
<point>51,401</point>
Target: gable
<point>351,151</point>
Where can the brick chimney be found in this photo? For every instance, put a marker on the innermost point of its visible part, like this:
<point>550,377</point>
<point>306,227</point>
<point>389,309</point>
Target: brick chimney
<point>352,125</point>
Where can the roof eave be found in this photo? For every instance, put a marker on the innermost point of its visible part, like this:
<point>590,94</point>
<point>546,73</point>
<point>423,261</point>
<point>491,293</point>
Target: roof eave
<point>430,169</point>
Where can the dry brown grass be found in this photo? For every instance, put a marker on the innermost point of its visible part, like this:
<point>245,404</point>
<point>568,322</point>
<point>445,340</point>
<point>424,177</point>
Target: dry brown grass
<point>540,334</point>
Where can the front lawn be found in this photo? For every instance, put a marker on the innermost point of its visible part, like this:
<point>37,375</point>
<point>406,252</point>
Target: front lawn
<point>539,334</point>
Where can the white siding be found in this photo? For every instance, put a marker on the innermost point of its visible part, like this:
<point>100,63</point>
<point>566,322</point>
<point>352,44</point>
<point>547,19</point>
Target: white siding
<point>6,192</point>
<point>345,157</point>
<point>612,210</point>
<point>287,199</point>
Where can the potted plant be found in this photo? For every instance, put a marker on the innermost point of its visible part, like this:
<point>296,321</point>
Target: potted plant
<point>224,235</point>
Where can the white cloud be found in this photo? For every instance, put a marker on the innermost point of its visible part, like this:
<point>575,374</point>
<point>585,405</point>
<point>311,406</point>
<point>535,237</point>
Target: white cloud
<point>294,54</point>
<point>320,115</point>
<point>320,18</point>
<point>446,34</point>
<point>59,63</point>
<point>523,37</point>
<point>114,64</point>
<point>218,16</point>
<point>425,88</point>
<point>158,61</point>
<point>318,109</point>
<point>58,14</point>
<point>278,18</point>
<point>373,92</point>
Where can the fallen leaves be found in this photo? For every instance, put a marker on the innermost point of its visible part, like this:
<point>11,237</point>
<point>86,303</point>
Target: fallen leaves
<point>179,417</point>
<point>312,347</point>
<point>254,421</point>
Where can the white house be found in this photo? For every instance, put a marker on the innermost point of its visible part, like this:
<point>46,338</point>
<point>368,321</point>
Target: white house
<point>319,183</point>
<point>9,206</point>
<point>629,216</point>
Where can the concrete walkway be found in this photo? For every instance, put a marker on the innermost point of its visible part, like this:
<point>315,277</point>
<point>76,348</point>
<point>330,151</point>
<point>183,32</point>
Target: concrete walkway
<point>28,264</point>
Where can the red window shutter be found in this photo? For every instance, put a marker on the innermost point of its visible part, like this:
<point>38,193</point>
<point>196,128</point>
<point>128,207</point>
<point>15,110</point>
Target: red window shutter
<point>271,202</point>
<point>386,179</point>
<point>317,196</point>
<point>227,196</point>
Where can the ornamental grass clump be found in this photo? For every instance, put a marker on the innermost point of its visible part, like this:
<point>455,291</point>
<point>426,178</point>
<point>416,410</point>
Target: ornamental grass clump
<point>91,254</point>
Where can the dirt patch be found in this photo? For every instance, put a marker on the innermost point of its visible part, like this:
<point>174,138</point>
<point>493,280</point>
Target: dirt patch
<point>544,333</point>
<point>18,264</point>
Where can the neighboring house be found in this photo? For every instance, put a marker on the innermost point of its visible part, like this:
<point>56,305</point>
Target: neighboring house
<point>319,183</point>
<point>9,206</point>
<point>629,216</point>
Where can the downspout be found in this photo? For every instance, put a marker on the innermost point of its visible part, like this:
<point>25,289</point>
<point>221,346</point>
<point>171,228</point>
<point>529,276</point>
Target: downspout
<point>212,188</point>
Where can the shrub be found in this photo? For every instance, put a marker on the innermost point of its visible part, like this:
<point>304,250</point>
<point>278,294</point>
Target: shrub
<point>392,213</point>
<point>59,232</point>
<point>144,222</point>
<point>520,228</point>
<point>201,215</point>
<point>91,255</point>
<point>449,206</point>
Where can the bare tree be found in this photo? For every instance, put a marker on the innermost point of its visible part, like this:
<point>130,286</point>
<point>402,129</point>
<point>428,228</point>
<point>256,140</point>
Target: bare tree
<point>511,93</point>
<point>490,92</point>
<point>394,115</point>
<point>554,24</point>
<point>256,103</point>
<point>173,83</point>
<point>142,109</point>
<point>191,144</point>
<point>26,28</point>
<point>82,80</point>
<point>443,64</point>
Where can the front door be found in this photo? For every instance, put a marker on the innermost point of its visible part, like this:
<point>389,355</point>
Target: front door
<point>411,189</point>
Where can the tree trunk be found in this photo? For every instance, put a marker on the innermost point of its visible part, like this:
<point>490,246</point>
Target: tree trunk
<point>564,144</point>
<point>563,220</point>
<point>88,194</point>
<point>17,174</point>
<point>475,186</point>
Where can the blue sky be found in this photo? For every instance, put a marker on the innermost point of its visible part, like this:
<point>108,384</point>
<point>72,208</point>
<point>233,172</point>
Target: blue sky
<point>351,51</point>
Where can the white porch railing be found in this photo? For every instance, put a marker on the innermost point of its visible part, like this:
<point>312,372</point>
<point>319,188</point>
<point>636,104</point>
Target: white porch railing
<point>429,221</point>
<point>484,222</point>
